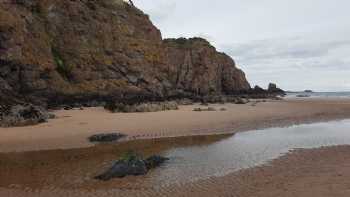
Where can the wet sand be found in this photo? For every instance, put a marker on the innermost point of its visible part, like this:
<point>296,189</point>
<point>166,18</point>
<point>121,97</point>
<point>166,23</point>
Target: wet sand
<point>320,172</point>
<point>71,128</point>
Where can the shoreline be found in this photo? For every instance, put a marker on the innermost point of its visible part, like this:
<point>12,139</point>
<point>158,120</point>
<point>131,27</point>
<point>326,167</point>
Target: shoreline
<point>71,129</point>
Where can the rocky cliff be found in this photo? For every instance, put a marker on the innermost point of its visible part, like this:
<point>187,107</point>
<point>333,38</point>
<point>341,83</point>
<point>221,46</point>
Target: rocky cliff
<point>52,52</point>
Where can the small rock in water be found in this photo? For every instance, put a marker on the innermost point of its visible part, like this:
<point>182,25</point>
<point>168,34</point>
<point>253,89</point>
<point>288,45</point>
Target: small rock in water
<point>108,137</point>
<point>131,166</point>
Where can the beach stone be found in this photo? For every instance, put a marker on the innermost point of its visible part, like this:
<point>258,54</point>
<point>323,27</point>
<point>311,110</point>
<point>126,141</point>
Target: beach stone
<point>106,137</point>
<point>23,115</point>
<point>133,166</point>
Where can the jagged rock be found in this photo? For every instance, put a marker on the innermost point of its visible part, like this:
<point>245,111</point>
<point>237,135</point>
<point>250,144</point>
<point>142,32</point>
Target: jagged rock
<point>259,90</point>
<point>63,52</point>
<point>22,115</point>
<point>131,166</point>
<point>106,137</point>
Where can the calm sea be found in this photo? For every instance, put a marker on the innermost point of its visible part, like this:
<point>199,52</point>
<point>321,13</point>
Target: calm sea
<point>319,94</point>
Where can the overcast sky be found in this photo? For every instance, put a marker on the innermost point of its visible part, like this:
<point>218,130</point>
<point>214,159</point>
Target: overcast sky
<point>299,44</point>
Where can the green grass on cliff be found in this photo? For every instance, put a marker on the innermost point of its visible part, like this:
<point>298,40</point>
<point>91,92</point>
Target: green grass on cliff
<point>64,69</point>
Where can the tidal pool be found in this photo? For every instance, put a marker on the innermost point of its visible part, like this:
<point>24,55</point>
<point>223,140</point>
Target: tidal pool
<point>191,158</point>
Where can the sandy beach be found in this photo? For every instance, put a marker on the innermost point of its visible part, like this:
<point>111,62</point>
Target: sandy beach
<point>71,128</point>
<point>50,154</point>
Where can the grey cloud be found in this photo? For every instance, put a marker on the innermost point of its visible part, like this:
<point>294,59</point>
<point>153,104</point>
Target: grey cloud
<point>308,49</point>
<point>283,49</point>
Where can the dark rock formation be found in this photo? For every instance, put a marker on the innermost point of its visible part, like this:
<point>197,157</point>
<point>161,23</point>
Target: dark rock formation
<point>106,137</point>
<point>132,166</point>
<point>259,90</point>
<point>273,89</point>
<point>54,53</point>
<point>22,115</point>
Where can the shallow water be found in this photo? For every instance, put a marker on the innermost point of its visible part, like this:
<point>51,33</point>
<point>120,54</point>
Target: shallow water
<point>191,158</point>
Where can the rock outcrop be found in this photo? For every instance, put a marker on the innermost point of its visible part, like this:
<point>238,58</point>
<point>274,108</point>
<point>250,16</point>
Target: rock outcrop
<point>62,52</point>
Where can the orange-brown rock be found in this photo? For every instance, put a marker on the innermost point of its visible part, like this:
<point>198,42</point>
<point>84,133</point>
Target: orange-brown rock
<point>70,51</point>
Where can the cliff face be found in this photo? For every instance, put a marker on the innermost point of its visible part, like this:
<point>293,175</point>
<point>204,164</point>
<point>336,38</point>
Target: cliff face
<point>195,66</point>
<point>55,50</point>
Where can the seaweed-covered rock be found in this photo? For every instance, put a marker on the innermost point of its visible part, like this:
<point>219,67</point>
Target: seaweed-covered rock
<point>116,107</point>
<point>23,115</point>
<point>106,137</point>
